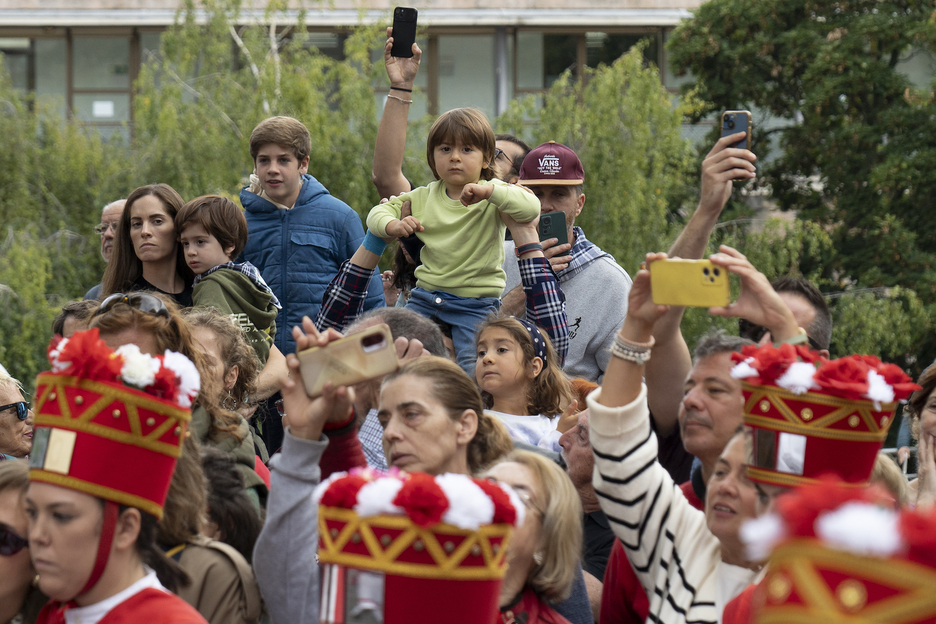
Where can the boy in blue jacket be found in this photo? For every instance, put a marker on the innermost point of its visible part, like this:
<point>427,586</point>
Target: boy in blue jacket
<point>299,233</point>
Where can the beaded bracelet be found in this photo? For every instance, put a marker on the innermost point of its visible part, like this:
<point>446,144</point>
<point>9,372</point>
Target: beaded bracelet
<point>636,352</point>
<point>399,99</point>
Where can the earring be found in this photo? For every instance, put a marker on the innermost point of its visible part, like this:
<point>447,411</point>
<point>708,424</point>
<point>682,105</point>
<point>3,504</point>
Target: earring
<point>538,557</point>
<point>229,402</point>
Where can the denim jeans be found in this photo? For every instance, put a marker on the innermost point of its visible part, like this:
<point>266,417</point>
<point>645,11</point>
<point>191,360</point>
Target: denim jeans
<point>462,313</point>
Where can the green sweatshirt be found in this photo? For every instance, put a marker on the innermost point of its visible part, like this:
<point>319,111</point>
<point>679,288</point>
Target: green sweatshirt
<point>249,307</point>
<point>464,251</point>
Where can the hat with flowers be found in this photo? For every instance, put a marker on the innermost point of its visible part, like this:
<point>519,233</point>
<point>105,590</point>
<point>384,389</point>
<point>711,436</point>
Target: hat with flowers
<point>809,416</point>
<point>110,423</point>
<point>442,538</point>
<point>838,553</point>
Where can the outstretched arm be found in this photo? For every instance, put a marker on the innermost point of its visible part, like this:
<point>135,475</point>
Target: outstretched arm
<point>667,371</point>
<point>387,170</point>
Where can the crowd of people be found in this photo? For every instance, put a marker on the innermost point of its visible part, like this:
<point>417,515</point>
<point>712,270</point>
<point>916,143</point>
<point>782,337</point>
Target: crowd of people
<point>171,463</point>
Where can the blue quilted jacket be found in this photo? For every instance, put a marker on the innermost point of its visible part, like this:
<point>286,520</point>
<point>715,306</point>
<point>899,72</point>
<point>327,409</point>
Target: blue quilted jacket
<point>299,251</point>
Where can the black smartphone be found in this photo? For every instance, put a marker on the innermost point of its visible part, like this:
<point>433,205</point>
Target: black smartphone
<point>737,121</point>
<point>404,32</point>
<point>553,225</point>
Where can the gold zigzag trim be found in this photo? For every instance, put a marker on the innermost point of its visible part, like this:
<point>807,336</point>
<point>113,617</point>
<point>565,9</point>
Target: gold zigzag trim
<point>914,602</point>
<point>445,565</point>
<point>785,479</point>
<point>176,416</point>
<point>100,491</point>
<point>819,427</point>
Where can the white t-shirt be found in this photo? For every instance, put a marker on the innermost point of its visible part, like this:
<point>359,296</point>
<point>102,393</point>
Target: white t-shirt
<point>537,430</point>
<point>92,614</point>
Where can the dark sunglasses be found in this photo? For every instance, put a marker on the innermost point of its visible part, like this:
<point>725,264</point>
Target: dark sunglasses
<point>10,542</point>
<point>136,300</point>
<point>751,331</point>
<point>22,409</point>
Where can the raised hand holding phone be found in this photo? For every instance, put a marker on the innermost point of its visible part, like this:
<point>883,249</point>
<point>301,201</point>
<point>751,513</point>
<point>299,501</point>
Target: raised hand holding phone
<point>404,32</point>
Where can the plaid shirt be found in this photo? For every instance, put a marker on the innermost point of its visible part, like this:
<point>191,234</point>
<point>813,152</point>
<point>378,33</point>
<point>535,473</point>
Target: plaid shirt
<point>247,269</point>
<point>545,302</point>
<point>344,297</point>
<point>371,436</point>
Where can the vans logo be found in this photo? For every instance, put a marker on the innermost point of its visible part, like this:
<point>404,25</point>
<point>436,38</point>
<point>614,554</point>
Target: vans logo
<point>549,165</point>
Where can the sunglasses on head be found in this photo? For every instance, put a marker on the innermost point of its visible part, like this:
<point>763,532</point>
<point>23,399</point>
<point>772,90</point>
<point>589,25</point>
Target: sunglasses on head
<point>136,300</point>
<point>751,331</point>
<point>22,409</point>
<point>10,542</point>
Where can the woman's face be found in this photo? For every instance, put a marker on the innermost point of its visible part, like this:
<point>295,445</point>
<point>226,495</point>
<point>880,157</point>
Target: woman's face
<point>928,415</point>
<point>64,530</point>
<point>15,435</point>
<point>16,571</point>
<point>419,435</point>
<point>152,230</point>
<point>133,335</point>
<point>527,539</point>
<point>730,497</point>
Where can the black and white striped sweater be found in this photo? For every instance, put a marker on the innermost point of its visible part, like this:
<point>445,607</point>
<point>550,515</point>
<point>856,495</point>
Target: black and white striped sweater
<point>676,558</point>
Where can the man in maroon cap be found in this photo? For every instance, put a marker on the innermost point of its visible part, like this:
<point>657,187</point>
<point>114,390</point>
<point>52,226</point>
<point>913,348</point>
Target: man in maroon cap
<point>595,286</point>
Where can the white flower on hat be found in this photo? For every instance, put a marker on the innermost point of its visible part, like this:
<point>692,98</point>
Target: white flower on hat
<point>376,498</point>
<point>57,365</point>
<point>798,378</point>
<point>861,528</point>
<point>743,370</point>
<point>321,488</point>
<point>879,390</point>
<point>469,506</point>
<point>139,369</point>
<point>761,536</point>
<point>189,379</point>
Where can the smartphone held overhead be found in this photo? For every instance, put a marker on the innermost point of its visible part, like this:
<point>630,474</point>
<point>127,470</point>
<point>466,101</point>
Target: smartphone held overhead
<point>404,32</point>
<point>349,360</point>
<point>694,283</point>
<point>733,122</point>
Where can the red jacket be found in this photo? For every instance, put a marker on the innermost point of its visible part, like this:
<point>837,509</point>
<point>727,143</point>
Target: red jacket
<point>738,610</point>
<point>623,599</point>
<point>530,609</point>
<point>151,605</point>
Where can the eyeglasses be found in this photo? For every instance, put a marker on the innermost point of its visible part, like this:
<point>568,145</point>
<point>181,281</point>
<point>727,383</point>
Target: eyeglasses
<point>751,331</point>
<point>498,153</point>
<point>22,409</point>
<point>136,300</point>
<point>103,227</point>
<point>10,542</point>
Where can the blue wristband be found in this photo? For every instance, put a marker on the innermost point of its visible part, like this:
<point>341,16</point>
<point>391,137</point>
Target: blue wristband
<point>373,243</point>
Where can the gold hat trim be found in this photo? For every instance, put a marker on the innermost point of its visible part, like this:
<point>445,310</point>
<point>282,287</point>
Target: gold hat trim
<point>384,558</point>
<point>110,393</point>
<point>787,480</point>
<point>815,428</point>
<point>915,600</point>
<point>100,491</point>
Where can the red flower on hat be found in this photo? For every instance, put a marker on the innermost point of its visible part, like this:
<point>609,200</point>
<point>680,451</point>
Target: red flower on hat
<point>504,512</point>
<point>919,532</point>
<point>800,512</point>
<point>89,357</point>
<point>343,492</point>
<point>846,377</point>
<point>165,385</point>
<point>901,383</point>
<point>422,499</point>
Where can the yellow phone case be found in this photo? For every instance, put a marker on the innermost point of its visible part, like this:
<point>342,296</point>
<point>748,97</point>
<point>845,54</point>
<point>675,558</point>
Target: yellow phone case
<point>349,360</point>
<point>696,283</point>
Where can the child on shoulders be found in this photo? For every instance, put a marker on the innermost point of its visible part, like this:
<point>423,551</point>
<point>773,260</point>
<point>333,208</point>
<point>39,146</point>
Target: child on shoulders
<point>213,232</point>
<point>458,217</point>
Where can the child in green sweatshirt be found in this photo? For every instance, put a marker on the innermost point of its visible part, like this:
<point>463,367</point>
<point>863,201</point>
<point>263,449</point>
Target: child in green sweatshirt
<point>458,217</point>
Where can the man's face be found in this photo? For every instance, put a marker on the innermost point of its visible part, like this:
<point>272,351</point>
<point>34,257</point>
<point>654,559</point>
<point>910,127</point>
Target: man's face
<point>577,451</point>
<point>559,198</point>
<point>110,217</point>
<point>510,151</point>
<point>712,407</point>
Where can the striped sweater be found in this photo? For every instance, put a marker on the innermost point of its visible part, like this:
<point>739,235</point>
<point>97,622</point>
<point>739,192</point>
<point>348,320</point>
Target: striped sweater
<point>677,559</point>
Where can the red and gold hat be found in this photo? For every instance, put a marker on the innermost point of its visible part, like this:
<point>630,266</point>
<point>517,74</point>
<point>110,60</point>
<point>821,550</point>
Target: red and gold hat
<point>440,543</point>
<point>111,423</point>
<point>808,416</point>
<point>838,554</point>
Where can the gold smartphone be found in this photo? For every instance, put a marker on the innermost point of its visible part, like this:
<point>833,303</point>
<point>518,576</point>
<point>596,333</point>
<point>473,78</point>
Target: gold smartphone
<point>696,283</point>
<point>349,360</point>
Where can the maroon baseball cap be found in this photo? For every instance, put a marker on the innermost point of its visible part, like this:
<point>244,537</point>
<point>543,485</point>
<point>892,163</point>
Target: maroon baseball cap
<point>552,163</point>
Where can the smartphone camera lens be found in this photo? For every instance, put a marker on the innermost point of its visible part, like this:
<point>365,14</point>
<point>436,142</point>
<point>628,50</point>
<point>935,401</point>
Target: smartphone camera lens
<point>705,271</point>
<point>729,122</point>
<point>716,272</point>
